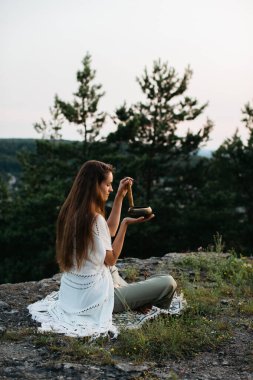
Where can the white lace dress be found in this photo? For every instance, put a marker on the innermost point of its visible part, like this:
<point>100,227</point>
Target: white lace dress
<point>83,305</point>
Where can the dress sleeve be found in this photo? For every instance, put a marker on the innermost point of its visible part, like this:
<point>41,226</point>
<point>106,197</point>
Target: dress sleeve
<point>101,229</point>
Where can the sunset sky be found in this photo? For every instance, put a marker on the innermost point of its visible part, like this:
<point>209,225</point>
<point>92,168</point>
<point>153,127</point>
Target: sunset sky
<point>44,41</point>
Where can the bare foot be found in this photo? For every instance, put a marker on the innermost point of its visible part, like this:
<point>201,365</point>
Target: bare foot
<point>144,309</point>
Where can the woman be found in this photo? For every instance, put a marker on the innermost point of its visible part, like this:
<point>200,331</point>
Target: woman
<point>85,301</point>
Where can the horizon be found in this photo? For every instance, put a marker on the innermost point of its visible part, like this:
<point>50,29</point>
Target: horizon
<point>201,151</point>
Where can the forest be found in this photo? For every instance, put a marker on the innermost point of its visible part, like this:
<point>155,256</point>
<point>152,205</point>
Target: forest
<point>195,199</point>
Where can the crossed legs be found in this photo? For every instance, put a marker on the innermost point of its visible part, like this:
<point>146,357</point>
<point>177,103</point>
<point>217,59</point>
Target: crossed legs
<point>156,290</point>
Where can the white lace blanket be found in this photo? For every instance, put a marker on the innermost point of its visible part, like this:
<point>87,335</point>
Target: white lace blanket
<point>129,319</point>
<point>134,319</point>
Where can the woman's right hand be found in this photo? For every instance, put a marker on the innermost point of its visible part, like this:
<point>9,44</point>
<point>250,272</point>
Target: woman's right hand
<point>123,186</point>
<point>141,219</point>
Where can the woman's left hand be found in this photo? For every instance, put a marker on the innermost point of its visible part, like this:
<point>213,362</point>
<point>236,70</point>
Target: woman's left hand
<point>123,186</point>
<point>141,219</point>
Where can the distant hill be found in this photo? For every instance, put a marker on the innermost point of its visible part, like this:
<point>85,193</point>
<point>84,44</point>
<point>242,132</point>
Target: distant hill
<point>9,148</point>
<point>9,164</point>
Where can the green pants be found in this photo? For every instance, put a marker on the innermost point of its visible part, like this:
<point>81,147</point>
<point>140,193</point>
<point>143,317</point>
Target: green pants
<point>156,290</point>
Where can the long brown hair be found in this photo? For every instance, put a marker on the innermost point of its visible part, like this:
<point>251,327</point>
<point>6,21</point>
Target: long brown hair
<point>76,217</point>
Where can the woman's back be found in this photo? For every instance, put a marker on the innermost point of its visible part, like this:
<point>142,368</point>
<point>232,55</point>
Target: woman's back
<point>85,300</point>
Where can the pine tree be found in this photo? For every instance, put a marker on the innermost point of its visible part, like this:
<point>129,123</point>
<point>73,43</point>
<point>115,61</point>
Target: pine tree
<point>51,129</point>
<point>83,111</point>
<point>227,194</point>
<point>155,120</point>
<point>150,127</point>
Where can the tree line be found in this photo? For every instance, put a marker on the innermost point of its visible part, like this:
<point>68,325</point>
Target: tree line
<point>193,197</point>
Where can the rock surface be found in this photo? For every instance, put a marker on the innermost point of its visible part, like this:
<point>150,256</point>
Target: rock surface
<point>21,359</point>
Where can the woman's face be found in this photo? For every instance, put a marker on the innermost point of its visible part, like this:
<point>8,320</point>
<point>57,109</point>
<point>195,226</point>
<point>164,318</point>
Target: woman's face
<point>106,186</point>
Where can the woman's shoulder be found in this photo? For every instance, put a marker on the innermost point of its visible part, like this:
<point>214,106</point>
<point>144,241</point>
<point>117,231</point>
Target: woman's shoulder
<point>99,222</point>
<point>99,219</point>
<point>101,230</point>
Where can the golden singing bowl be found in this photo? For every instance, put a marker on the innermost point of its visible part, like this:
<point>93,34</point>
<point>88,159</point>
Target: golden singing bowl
<point>136,212</point>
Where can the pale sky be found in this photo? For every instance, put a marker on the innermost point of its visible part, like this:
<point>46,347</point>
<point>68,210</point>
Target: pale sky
<point>43,42</point>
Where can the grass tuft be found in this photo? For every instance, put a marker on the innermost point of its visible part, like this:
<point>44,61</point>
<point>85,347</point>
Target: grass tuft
<point>170,338</point>
<point>131,274</point>
<point>79,350</point>
<point>17,335</point>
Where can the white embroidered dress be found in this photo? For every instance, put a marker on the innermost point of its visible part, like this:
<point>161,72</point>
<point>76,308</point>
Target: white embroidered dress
<point>83,305</point>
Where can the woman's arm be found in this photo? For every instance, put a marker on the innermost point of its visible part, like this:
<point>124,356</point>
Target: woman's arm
<point>111,257</point>
<point>114,218</point>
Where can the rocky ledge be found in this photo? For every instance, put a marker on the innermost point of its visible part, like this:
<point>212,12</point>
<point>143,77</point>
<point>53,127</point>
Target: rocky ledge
<point>22,359</point>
